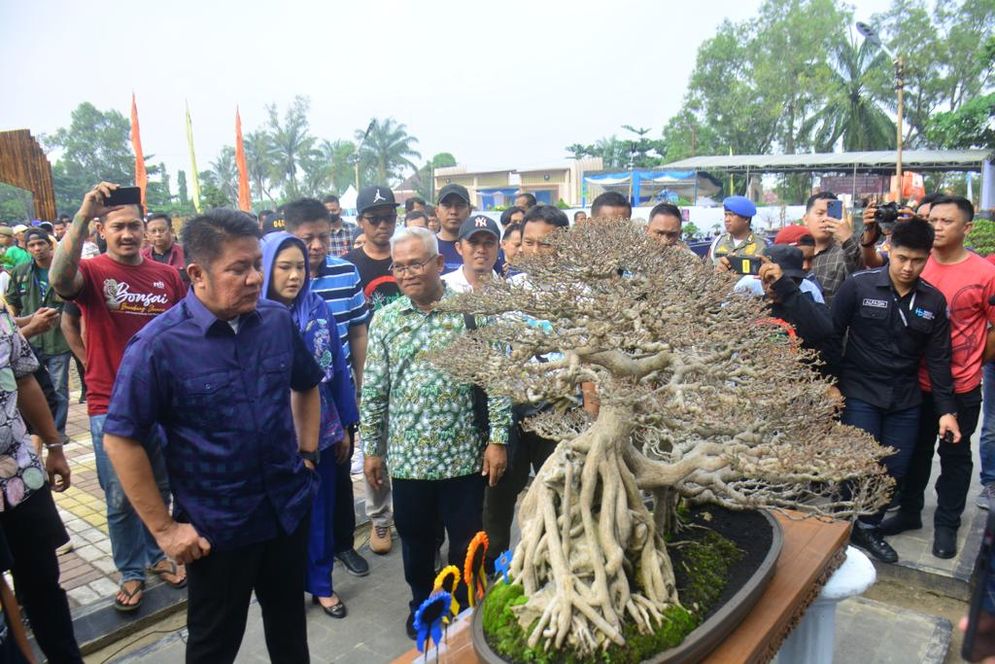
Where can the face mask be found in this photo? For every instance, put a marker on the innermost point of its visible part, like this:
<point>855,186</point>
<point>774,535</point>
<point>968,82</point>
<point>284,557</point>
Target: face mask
<point>335,217</point>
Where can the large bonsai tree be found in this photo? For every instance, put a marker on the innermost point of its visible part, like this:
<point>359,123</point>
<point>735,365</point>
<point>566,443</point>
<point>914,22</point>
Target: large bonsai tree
<point>700,399</point>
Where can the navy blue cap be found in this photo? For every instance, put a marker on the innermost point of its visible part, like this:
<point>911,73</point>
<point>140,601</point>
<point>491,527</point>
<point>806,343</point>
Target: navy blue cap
<point>740,205</point>
<point>478,223</point>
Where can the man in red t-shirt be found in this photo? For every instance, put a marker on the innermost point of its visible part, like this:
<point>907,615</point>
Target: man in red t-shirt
<point>968,283</point>
<point>118,293</point>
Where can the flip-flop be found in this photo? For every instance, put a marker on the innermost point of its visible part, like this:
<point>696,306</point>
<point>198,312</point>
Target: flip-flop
<point>172,570</point>
<point>129,608</point>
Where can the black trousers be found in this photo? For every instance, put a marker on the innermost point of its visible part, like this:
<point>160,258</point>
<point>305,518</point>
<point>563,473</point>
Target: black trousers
<point>344,516</point>
<point>220,588</point>
<point>956,465</point>
<point>33,531</point>
<point>418,507</point>
<point>530,452</point>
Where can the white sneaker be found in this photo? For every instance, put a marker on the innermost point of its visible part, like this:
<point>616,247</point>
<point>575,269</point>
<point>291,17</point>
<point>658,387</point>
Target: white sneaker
<point>985,497</point>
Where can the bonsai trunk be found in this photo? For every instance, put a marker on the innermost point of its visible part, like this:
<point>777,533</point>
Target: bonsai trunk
<point>591,556</point>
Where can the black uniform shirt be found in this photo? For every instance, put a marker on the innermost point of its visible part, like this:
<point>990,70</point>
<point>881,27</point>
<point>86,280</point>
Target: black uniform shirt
<point>887,336</point>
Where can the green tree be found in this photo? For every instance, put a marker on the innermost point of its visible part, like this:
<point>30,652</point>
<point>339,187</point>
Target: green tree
<point>94,147</point>
<point>181,188</point>
<point>852,113</point>
<point>982,236</point>
<point>686,135</point>
<point>225,172</point>
<point>387,149</point>
<point>425,184</point>
<point>292,143</point>
<point>16,205</point>
<point>970,126</point>
<point>260,159</point>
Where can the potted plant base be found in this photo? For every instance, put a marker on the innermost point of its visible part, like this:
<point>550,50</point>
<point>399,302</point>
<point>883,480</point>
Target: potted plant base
<point>723,561</point>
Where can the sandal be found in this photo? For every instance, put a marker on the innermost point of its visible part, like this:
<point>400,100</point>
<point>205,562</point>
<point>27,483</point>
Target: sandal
<point>126,606</point>
<point>170,570</point>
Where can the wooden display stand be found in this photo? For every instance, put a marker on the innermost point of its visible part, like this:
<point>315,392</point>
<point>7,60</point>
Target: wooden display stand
<point>812,551</point>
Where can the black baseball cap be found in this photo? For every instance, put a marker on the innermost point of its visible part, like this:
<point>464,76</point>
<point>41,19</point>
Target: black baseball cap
<point>788,258</point>
<point>454,189</point>
<point>273,222</point>
<point>476,224</point>
<point>375,195</point>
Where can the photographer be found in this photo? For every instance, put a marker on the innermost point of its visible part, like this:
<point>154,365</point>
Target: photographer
<point>795,300</point>
<point>880,220</point>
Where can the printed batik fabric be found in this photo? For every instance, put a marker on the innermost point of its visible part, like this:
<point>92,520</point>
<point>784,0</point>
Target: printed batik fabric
<point>21,472</point>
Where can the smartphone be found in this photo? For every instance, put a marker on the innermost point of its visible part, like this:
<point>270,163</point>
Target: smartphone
<point>124,196</point>
<point>979,638</point>
<point>835,209</point>
<point>745,264</point>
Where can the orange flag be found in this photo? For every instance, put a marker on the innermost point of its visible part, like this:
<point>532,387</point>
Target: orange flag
<point>141,177</point>
<point>244,195</point>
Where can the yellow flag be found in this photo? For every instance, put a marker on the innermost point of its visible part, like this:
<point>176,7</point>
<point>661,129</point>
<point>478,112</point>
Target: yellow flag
<point>194,176</point>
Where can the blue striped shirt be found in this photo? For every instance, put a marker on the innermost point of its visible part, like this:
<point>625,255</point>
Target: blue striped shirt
<point>338,284</point>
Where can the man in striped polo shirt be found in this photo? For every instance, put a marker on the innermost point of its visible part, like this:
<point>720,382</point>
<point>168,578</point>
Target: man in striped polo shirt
<point>337,282</point>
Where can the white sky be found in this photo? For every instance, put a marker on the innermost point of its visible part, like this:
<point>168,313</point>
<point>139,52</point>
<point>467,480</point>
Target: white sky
<point>504,84</point>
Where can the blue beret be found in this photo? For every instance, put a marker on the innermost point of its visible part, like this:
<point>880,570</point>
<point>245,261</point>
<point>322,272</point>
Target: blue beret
<point>740,205</point>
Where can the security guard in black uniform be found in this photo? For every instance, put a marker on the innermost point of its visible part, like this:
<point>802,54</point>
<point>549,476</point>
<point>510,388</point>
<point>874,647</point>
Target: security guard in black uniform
<point>891,320</point>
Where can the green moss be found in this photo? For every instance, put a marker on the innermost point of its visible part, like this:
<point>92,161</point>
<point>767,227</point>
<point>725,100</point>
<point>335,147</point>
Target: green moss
<point>707,562</point>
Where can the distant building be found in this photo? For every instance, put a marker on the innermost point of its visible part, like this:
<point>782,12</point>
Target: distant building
<point>492,188</point>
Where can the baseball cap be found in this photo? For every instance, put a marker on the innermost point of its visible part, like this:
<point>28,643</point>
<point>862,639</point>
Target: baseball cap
<point>7,230</point>
<point>740,205</point>
<point>454,189</point>
<point>273,222</point>
<point>20,228</point>
<point>478,223</point>
<point>375,195</point>
<point>788,258</point>
<point>47,227</point>
<point>793,235</point>
<point>32,233</point>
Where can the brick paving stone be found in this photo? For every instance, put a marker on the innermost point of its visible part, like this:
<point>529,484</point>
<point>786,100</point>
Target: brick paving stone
<point>83,595</point>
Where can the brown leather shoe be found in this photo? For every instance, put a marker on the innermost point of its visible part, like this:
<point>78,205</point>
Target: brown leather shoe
<point>380,541</point>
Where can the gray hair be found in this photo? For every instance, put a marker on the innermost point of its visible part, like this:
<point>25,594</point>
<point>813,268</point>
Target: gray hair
<point>425,236</point>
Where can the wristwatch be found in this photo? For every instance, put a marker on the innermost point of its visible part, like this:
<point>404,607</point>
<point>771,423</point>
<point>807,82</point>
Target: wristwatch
<point>311,456</point>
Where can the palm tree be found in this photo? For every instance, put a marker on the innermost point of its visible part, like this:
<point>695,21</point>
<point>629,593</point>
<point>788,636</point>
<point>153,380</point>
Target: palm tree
<point>851,112</point>
<point>613,152</point>
<point>225,173</point>
<point>387,148</point>
<point>260,156</point>
<point>292,142</point>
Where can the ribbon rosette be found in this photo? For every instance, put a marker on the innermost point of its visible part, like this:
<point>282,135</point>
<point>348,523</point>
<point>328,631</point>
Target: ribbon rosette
<point>473,569</point>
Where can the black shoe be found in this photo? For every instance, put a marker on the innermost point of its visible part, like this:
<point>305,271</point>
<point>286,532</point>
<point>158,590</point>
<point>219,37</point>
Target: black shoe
<point>354,563</point>
<point>409,627</point>
<point>82,398</point>
<point>899,523</point>
<point>945,542</point>
<point>870,540</point>
<point>335,611</point>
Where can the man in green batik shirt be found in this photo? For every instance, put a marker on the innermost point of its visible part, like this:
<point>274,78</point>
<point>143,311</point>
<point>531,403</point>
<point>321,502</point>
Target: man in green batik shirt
<point>423,421</point>
<point>11,255</point>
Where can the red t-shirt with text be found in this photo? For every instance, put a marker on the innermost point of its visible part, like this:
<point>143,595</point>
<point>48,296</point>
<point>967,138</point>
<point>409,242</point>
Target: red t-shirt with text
<point>117,301</point>
<point>968,287</point>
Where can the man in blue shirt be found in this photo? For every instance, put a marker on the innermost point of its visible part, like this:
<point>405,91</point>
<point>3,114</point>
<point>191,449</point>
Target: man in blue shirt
<point>229,405</point>
<point>453,209</point>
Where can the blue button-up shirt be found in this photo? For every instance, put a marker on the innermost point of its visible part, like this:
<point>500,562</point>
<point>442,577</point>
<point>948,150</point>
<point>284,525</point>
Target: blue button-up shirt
<point>223,400</point>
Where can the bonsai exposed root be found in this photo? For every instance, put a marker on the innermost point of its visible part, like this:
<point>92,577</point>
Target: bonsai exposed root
<point>590,556</point>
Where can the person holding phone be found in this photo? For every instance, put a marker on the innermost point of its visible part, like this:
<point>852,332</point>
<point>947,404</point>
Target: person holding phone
<point>837,252</point>
<point>29,293</point>
<point>739,238</point>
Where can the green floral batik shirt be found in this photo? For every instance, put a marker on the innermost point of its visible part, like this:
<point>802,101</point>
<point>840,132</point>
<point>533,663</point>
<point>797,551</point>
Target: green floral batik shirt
<point>413,413</point>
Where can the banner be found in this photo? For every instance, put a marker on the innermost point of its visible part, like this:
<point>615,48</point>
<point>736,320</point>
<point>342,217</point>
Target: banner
<point>194,175</point>
<point>141,177</point>
<point>244,194</point>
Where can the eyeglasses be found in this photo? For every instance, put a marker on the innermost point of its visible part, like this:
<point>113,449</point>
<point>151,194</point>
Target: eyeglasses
<point>413,269</point>
<point>376,220</point>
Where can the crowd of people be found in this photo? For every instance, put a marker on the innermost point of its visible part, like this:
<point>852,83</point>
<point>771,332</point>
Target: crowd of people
<point>236,379</point>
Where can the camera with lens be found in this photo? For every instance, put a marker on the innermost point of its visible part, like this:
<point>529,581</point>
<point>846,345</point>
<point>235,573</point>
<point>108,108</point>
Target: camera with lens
<point>886,216</point>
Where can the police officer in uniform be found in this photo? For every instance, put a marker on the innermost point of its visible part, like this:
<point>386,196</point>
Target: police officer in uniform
<point>739,239</point>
